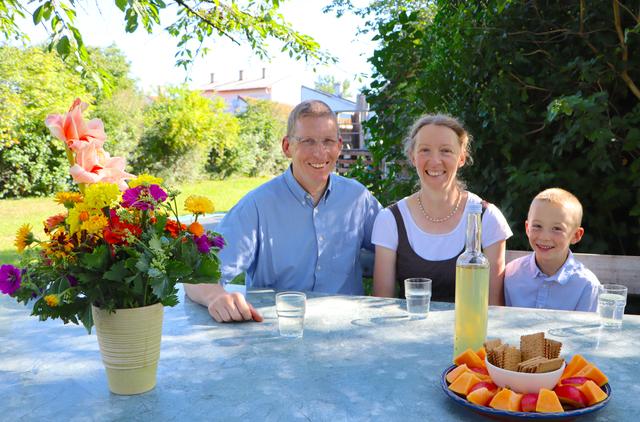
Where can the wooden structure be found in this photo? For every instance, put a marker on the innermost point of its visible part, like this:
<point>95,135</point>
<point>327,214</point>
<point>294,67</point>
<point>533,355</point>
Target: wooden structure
<point>615,269</point>
<point>348,157</point>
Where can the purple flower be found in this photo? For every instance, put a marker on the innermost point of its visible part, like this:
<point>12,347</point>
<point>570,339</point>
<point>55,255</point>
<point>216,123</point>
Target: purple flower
<point>202,242</point>
<point>10,278</point>
<point>157,193</point>
<point>217,241</point>
<point>143,197</point>
<point>130,196</point>
<point>205,243</point>
<point>73,282</point>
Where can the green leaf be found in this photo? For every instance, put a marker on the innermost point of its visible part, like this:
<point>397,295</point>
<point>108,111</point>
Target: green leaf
<point>117,272</point>
<point>38,14</point>
<point>178,269</point>
<point>122,4</point>
<point>96,260</point>
<point>63,46</point>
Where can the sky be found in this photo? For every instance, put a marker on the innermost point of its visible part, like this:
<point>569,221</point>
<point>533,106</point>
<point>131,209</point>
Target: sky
<point>152,55</point>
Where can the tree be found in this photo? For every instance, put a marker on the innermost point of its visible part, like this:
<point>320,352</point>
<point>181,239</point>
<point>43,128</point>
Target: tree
<point>181,129</point>
<point>327,83</point>
<point>197,23</point>
<point>548,90</point>
<point>33,83</point>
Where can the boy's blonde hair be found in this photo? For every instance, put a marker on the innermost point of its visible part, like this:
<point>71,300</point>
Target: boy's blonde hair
<point>564,198</point>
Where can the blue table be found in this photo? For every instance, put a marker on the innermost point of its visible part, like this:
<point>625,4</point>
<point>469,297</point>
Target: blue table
<point>360,359</point>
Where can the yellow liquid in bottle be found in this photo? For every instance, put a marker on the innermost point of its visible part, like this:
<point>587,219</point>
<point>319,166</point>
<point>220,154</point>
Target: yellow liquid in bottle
<point>472,305</point>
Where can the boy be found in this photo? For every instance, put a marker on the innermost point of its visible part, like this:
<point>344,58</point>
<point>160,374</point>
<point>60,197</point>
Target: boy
<point>551,277</point>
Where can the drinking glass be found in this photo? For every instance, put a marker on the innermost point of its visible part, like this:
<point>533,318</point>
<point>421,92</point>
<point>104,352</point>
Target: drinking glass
<point>418,294</point>
<point>611,302</point>
<point>290,307</point>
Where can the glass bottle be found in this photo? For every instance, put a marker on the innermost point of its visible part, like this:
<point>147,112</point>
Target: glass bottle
<point>472,288</point>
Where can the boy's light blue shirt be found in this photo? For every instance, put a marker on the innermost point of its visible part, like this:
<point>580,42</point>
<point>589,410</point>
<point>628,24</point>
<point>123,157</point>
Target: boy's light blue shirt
<point>573,288</point>
<point>283,242</point>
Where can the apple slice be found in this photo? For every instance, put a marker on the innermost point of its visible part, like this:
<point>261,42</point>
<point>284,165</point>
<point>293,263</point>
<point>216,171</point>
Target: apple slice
<point>484,384</point>
<point>571,396</point>
<point>528,402</point>
<point>574,381</point>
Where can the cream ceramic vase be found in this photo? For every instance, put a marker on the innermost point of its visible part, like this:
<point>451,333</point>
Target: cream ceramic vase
<point>129,342</point>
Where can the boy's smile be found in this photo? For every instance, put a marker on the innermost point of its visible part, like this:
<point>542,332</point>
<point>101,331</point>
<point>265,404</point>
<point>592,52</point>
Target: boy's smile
<point>551,229</point>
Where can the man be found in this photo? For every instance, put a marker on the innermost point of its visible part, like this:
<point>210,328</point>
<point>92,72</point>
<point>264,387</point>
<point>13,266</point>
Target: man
<point>303,230</point>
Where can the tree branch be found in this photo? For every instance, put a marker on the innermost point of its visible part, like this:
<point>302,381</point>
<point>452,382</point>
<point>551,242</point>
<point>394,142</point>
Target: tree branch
<point>625,51</point>
<point>221,31</point>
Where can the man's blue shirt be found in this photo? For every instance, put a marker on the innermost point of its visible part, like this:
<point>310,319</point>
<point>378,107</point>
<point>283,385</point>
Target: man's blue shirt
<point>573,287</point>
<point>283,242</point>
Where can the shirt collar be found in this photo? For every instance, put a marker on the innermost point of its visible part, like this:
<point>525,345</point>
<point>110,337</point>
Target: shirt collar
<point>562,276</point>
<point>298,191</point>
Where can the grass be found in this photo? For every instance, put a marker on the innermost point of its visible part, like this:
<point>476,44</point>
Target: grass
<point>16,212</point>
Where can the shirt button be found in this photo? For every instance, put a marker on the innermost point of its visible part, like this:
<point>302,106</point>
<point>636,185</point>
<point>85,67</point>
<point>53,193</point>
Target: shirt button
<point>318,267</point>
<point>321,238</point>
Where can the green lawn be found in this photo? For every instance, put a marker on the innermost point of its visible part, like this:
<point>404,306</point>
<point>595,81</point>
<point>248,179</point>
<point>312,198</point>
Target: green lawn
<point>16,212</point>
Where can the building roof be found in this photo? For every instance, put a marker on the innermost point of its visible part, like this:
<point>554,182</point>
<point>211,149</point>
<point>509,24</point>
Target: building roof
<point>336,102</point>
<point>238,85</point>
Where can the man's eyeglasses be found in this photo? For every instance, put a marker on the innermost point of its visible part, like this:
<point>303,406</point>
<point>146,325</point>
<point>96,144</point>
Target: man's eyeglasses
<point>310,143</point>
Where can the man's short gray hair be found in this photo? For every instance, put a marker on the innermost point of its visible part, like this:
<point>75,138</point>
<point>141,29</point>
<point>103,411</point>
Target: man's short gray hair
<point>309,108</point>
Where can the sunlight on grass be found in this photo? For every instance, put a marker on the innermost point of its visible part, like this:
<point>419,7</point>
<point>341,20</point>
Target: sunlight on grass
<point>16,212</point>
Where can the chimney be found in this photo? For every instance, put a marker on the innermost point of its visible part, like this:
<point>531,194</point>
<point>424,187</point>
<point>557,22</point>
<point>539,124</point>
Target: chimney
<point>336,88</point>
<point>213,79</point>
<point>240,75</point>
<point>264,72</point>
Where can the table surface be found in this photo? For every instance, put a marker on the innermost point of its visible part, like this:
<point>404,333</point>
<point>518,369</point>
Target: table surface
<point>360,359</point>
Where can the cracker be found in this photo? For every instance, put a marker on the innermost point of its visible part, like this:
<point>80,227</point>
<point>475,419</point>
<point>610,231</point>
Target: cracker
<point>511,358</point>
<point>530,365</point>
<point>549,365</point>
<point>552,348</point>
<point>492,344</point>
<point>532,345</point>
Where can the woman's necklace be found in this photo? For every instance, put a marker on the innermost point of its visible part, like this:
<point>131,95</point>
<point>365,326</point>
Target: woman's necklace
<point>443,219</point>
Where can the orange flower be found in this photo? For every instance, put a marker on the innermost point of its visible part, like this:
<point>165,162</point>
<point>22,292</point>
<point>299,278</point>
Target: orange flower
<point>174,228</point>
<point>53,222</point>
<point>196,229</point>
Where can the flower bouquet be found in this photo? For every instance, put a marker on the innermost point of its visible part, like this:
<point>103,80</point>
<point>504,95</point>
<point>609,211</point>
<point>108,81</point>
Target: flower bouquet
<point>119,246</point>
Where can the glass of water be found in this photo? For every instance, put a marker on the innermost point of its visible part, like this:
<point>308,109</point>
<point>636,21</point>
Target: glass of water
<point>418,294</point>
<point>611,302</point>
<point>291,307</point>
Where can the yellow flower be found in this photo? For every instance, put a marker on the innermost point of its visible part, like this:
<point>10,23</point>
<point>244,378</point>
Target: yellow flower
<point>68,199</point>
<point>77,215</point>
<point>52,300</point>
<point>24,237</point>
<point>100,195</point>
<point>94,224</point>
<point>145,179</point>
<point>198,205</point>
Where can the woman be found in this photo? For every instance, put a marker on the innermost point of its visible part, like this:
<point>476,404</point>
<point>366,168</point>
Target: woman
<point>423,234</point>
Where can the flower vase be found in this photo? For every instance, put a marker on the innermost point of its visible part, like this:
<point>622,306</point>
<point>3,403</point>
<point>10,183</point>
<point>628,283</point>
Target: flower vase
<point>129,342</point>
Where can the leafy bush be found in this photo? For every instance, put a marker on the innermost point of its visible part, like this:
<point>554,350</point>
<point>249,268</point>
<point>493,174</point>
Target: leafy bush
<point>32,83</point>
<point>549,90</point>
<point>182,129</point>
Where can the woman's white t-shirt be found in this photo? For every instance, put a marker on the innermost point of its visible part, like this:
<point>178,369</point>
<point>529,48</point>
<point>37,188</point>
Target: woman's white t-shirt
<point>438,247</point>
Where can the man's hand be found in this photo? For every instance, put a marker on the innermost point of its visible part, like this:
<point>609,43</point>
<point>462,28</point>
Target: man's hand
<point>232,307</point>
<point>222,306</point>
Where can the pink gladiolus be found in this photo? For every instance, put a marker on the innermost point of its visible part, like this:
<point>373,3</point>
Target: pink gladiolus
<point>72,128</point>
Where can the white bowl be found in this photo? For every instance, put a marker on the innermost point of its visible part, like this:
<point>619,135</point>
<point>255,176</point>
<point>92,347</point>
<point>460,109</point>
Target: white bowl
<point>524,382</point>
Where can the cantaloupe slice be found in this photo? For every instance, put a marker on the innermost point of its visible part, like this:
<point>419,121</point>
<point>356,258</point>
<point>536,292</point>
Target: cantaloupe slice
<point>481,353</point>
<point>463,383</point>
<point>593,373</point>
<point>456,372</point>
<point>548,402</point>
<point>592,392</point>
<point>470,358</point>
<point>506,399</point>
<point>481,396</point>
<point>577,363</point>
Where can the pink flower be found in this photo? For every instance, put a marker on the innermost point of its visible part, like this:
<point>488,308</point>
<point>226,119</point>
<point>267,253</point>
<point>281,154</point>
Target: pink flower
<point>95,165</point>
<point>72,128</point>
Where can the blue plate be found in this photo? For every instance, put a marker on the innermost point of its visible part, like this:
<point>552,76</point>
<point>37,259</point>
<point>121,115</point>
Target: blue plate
<point>506,415</point>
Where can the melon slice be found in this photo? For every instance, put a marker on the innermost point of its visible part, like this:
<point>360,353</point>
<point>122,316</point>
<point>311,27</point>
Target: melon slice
<point>481,396</point>
<point>577,363</point>
<point>456,372</point>
<point>470,358</point>
<point>548,402</point>
<point>506,399</point>
<point>463,383</point>
<point>481,353</point>
<point>593,373</point>
<point>592,392</point>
